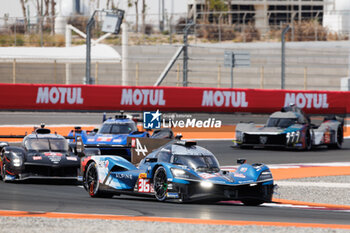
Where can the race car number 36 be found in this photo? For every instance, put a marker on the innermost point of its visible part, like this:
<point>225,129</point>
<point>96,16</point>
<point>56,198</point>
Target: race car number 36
<point>144,186</point>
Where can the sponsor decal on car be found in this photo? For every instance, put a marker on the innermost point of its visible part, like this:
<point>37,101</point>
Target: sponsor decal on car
<point>104,139</point>
<point>37,158</point>
<point>207,175</point>
<point>52,154</point>
<point>172,195</point>
<point>239,175</point>
<point>144,186</point>
<point>327,137</point>
<point>123,176</point>
<point>243,169</point>
<point>55,158</point>
<point>103,164</point>
<point>72,158</point>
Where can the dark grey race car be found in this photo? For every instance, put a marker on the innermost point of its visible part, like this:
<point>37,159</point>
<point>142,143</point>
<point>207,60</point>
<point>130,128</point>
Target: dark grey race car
<point>291,128</point>
<point>41,155</point>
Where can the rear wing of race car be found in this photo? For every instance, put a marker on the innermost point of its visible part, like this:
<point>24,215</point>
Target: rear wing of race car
<point>141,147</point>
<point>334,117</point>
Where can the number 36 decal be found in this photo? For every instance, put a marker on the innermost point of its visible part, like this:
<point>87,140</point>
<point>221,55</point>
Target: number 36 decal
<point>144,186</point>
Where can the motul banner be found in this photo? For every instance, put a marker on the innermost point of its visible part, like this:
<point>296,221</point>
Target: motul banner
<point>179,99</point>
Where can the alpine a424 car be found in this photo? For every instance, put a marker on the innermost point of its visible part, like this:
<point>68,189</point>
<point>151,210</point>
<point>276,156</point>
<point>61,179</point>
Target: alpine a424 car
<point>41,155</point>
<point>111,137</point>
<point>291,128</point>
<point>180,171</point>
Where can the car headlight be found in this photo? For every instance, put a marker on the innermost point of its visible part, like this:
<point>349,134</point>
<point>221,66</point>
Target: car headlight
<point>239,136</point>
<point>178,172</point>
<point>206,184</point>
<point>182,174</point>
<point>265,175</point>
<point>17,160</point>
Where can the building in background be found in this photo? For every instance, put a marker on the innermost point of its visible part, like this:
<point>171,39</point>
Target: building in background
<point>264,14</point>
<point>334,14</point>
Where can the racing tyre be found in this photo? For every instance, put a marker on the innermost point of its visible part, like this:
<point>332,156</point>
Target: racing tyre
<point>340,138</point>
<point>308,140</point>
<point>3,172</point>
<point>92,184</point>
<point>160,182</point>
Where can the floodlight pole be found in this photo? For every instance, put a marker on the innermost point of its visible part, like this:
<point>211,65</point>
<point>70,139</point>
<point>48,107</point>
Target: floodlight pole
<point>283,58</point>
<point>88,42</point>
<point>185,53</point>
<point>88,47</point>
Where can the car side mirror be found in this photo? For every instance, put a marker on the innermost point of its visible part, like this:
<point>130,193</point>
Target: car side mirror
<point>80,147</point>
<point>241,161</point>
<point>151,160</point>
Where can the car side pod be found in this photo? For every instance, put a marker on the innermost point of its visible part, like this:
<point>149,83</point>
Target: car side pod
<point>241,161</point>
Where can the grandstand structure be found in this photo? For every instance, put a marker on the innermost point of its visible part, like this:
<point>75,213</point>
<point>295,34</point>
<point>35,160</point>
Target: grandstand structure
<point>265,14</point>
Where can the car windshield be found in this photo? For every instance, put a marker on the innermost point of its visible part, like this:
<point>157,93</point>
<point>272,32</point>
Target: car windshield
<point>47,144</point>
<point>281,122</point>
<point>200,163</point>
<point>119,128</point>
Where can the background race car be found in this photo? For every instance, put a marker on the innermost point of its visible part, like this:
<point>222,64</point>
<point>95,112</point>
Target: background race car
<point>41,155</point>
<point>291,128</point>
<point>115,134</point>
<point>111,137</point>
<point>179,170</point>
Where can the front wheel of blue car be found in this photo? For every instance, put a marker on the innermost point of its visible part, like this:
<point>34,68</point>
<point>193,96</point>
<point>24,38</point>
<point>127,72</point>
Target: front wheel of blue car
<point>160,182</point>
<point>91,182</point>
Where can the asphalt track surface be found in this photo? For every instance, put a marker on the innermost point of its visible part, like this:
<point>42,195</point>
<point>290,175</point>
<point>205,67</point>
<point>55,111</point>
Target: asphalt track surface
<point>63,197</point>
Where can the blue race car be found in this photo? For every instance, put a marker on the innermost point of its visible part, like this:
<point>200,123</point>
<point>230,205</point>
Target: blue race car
<point>179,170</point>
<point>112,136</point>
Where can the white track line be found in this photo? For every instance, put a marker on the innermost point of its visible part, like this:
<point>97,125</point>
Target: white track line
<point>312,184</point>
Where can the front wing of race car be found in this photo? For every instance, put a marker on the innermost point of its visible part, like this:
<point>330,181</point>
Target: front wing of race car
<point>195,191</point>
<point>294,139</point>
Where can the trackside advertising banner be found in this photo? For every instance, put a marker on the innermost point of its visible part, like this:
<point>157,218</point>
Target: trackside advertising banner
<point>179,99</point>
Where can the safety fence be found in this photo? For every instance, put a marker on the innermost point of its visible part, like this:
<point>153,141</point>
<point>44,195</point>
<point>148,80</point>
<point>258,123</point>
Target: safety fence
<point>309,66</point>
<point>171,99</point>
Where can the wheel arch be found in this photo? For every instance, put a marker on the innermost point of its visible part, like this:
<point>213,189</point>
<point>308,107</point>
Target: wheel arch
<point>165,166</point>
<point>86,166</point>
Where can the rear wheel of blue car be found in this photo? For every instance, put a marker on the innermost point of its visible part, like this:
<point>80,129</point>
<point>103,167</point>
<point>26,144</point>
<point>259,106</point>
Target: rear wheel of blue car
<point>160,182</point>
<point>91,182</point>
